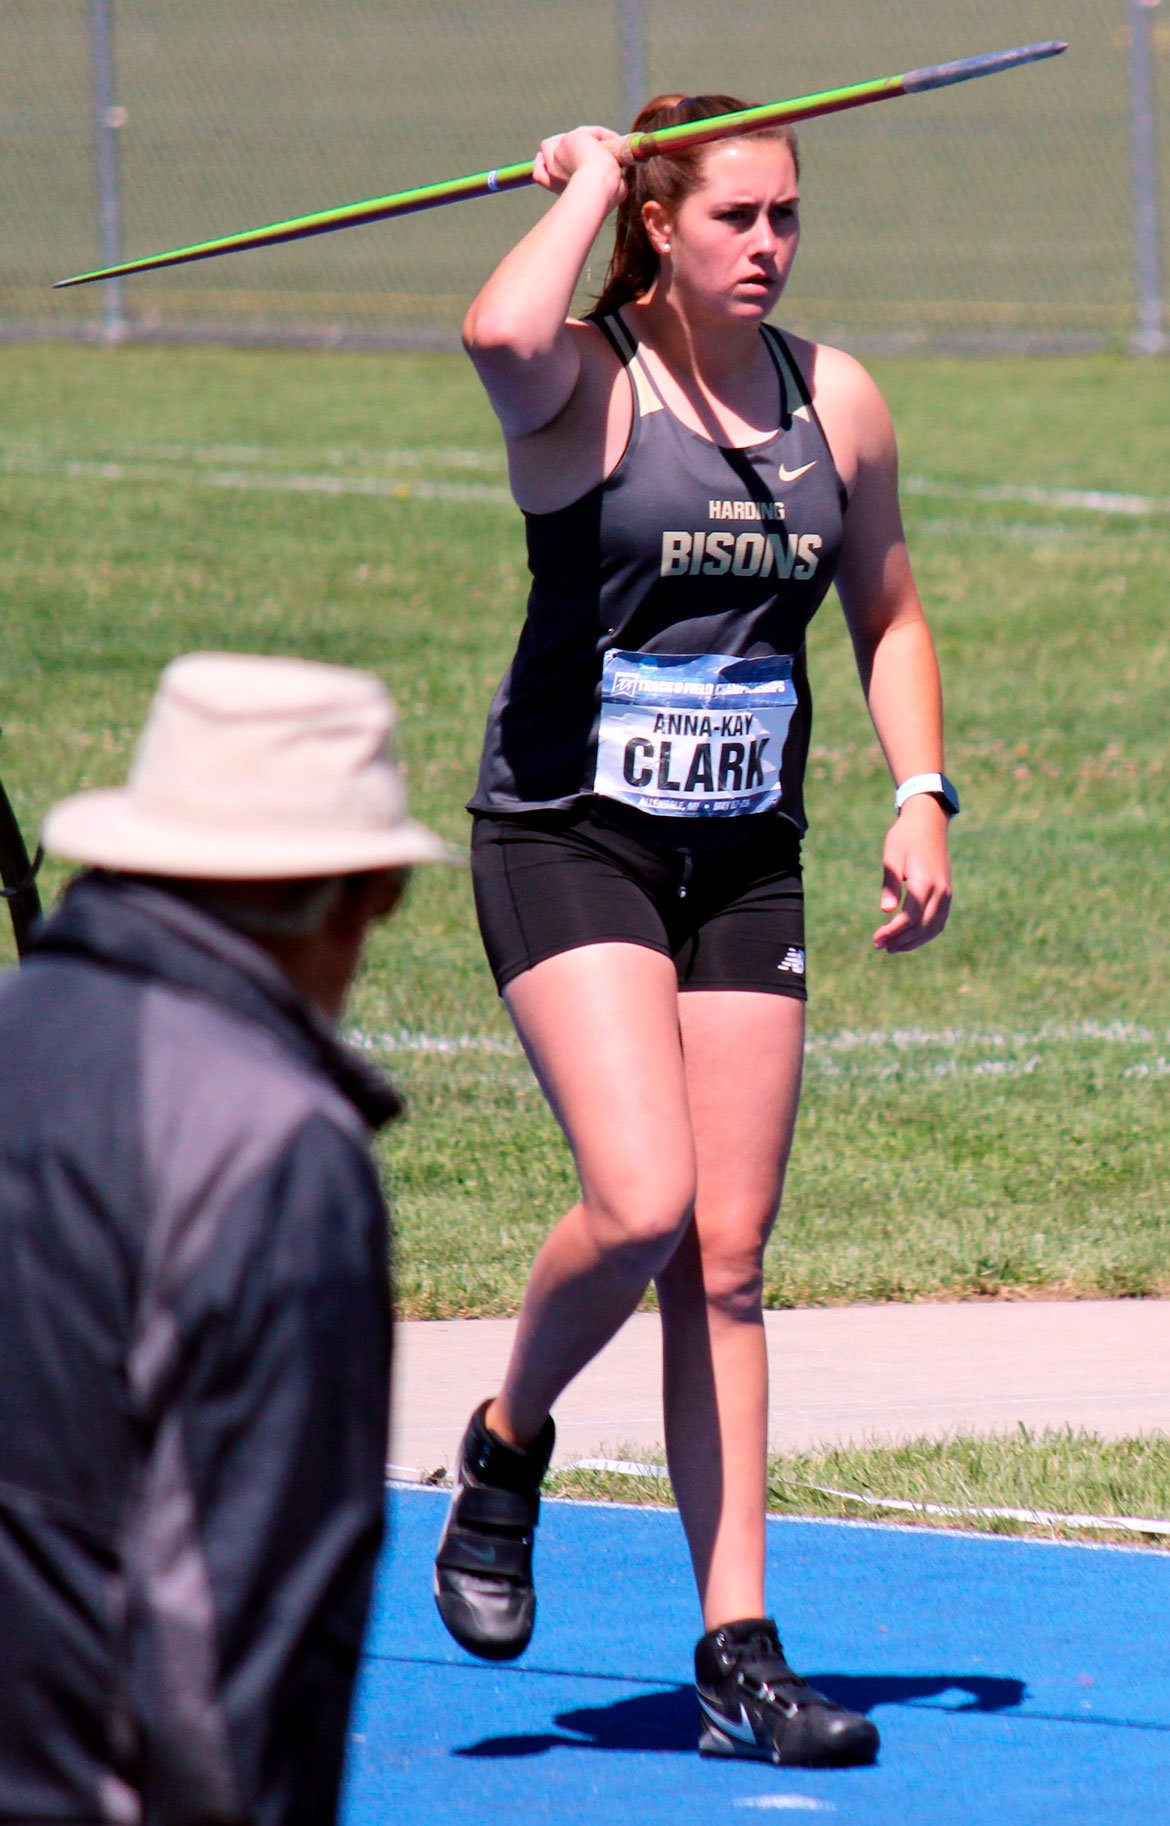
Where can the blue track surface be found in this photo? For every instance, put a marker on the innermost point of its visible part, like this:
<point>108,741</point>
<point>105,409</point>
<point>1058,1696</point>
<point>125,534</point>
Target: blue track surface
<point>1013,1682</point>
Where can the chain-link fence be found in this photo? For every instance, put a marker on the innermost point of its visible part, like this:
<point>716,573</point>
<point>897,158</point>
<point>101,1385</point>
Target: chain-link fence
<point>997,211</point>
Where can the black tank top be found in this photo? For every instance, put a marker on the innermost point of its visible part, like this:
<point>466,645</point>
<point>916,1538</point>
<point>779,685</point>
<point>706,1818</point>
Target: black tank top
<point>687,549</point>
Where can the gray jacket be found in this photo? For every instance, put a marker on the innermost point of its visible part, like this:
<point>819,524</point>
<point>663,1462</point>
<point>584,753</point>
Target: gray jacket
<point>194,1364</point>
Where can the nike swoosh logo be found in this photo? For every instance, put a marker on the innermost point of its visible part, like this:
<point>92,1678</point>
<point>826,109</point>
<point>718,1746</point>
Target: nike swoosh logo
<point>479,1550</point>
<point>740,1727</point>
<point>794,475</point>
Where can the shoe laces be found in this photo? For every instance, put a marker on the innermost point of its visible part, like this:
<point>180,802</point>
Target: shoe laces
<point>761,1668</point>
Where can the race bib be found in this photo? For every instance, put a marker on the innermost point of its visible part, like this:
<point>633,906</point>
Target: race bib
<point>693,735</point>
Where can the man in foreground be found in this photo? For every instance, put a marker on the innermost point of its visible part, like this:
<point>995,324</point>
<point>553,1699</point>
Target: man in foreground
<point>194,1298</point>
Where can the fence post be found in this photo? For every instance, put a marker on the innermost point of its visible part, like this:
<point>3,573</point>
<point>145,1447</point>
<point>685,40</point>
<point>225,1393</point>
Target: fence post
<point>108,118</point>
<point>633,58</point>
<point>1149,338</point>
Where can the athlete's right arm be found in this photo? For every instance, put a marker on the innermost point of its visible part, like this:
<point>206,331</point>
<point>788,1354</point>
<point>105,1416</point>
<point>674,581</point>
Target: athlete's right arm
<point>516,331</point>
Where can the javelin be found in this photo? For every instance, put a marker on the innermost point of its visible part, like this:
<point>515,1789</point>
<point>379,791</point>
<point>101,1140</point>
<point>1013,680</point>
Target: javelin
<point>639,146</point>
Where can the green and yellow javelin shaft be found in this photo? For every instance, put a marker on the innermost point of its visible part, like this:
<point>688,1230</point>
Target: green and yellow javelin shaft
<point>640,146</point>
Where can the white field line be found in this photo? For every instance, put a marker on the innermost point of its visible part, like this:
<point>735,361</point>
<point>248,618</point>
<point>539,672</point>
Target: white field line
<point>1015,1054</point>
<point>785,1803</point>
<point>847,1039</point>
<point>165,462</point>
<point>1122,1033</point>
<point>413,1474</point>
<point>618,1467</point>
<point>879,1053</point>
<point>1046,1518</point>
<point>1066,532</point>
<point>440,456</point>
<point>404,1040</point>
<point>249,481</point>
<point>1080,500</point>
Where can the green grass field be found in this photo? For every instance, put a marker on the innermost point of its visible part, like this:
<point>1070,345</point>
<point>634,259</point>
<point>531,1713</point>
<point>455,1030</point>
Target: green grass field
<point>1055,1484</point>
<point>987,1117</point>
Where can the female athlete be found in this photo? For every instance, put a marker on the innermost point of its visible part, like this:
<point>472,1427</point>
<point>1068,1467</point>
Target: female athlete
<point>692,482</point>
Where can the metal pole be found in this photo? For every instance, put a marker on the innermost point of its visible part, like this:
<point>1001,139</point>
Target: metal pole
<point>108,117</point>
<point>18,875</point>
<point>633,58</point>
<point>1150,336</point>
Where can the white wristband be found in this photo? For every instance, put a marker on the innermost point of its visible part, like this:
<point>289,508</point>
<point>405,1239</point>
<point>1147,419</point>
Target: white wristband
<point>936,784</point>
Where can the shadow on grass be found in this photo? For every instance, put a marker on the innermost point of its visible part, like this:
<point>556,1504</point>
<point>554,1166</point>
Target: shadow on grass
<point>668,1720</point>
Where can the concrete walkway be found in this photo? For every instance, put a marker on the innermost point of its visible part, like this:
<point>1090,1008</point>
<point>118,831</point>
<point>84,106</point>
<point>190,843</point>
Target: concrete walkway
<point>837,1375</point>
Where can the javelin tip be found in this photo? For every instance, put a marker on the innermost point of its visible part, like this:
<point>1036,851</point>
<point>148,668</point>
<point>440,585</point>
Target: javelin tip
<point>941,75</point>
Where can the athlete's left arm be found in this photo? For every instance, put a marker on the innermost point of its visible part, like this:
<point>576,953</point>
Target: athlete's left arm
<point>895,657</point>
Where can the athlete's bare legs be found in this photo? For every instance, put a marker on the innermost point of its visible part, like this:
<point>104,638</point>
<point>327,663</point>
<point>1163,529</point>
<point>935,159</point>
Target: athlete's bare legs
<point>600,1027</point>
<point>657,1092</point>
<point>743,1060</point>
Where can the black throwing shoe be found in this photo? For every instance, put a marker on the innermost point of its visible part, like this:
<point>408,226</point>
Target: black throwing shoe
<point>483,1569</point>
<point>753,1705</point>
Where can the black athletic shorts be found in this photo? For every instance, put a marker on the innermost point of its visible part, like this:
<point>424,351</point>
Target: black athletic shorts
<point>730,915</point>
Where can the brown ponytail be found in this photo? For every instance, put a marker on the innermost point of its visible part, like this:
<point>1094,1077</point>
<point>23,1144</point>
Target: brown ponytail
<point>666,179</point>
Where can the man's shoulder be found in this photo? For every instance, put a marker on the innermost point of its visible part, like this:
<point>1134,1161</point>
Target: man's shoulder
<point>193,1083</point>
<point>226,1080</point>
<point>66,1029</point>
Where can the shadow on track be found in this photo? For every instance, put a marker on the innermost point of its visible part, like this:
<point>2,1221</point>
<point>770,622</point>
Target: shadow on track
<point>668,1720</point>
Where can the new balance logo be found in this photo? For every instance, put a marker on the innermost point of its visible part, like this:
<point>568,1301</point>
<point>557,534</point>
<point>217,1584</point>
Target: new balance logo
<point>793,961</point>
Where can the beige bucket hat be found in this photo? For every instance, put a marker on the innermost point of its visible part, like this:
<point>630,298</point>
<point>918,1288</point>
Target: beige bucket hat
<point>254,769</point>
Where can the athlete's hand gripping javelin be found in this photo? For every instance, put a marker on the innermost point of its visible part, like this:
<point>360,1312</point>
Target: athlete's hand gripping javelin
<point>518,331</point>
<point>564,154</point>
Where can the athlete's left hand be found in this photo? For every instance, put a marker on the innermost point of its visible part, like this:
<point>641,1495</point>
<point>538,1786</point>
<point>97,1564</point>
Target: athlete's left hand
<point>916,884</point>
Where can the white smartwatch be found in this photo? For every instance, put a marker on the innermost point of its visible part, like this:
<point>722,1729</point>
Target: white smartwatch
<point>937,785</point>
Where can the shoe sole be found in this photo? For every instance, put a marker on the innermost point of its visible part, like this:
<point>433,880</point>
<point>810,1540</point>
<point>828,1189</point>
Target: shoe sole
<point>732,1749</point>
<point>461,1621</point>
